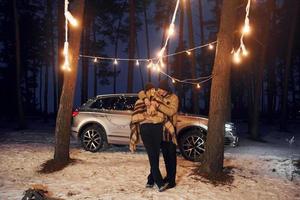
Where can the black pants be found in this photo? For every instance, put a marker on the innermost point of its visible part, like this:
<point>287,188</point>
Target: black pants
<point>152,136</point>
<point>169,153</point>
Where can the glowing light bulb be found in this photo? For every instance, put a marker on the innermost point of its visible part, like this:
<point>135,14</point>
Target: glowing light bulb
<point>71,19</point>
<point>246,29</point>
<point>137,63</point>
<point>150,64</point>
<point>245,52</point>
<point>173,80</point>
<point>210,47</point>
<point>115,62</point>
<point>66,49</point>
<point>162,64</point>
<point>95,60</point>
<point>236,58</point>
<point>198,86</point>
<point>188,53</point>
<point>171,29</point>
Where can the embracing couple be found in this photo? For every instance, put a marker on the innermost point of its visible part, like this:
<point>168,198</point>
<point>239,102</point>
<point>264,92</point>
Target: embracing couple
<point>154,120</point>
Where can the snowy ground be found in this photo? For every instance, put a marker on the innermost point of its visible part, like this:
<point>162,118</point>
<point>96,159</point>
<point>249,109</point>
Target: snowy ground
<point>260,171</point>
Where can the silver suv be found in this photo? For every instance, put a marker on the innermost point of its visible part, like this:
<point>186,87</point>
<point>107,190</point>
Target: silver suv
<point>105,120</point>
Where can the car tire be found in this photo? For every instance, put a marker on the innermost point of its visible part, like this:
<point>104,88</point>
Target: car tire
<point>93,138</point>
<point>191,144</point>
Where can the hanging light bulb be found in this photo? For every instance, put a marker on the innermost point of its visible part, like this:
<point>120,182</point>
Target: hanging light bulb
<point>210,47</point>
<point>173,80</point>
<point>162,64</point>
<point>188,53</point>
<point>66,65</point>
<point>198,86</point>
<point>115,62</point>
<point>137,63</point>
<point>236,57</point>
<point>171,29</point>
<point>246,29</point>
<point>245,52</point>
<point>150,64</point>
<point>71,19</point>
<point>95,60</point>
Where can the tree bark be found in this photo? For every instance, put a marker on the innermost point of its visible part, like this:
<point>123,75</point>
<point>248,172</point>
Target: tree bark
<point>288,60</point>
<point>63,120</point>
<point>147,36</point>
<point>21,118</point>
<point>214,153</point>
<point>86,48</point>
<point>193,57</point>
<point>95,64</point>
<point>60,45</point>
<point>258,85</point>
<point>131,48</point>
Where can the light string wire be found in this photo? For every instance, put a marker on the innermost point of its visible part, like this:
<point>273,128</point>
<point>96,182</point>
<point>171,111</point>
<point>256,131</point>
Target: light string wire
<point>147,59</point>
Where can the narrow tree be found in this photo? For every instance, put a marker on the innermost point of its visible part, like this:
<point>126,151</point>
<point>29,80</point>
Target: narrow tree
<point>290,45</point>
<point>63,120</point>
<point>214,153</point>
<point>86,50</point>
<point>131,46</point>
<point>193,56</point>
<point>264,15</point>
<point>60,45</point>
<point>52,53</point>
<point>147,35</point>
<point>21,118</point>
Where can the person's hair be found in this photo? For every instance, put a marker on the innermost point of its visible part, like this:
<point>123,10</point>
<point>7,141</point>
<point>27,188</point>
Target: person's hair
<point>148,86</point>
<point>164,85</point>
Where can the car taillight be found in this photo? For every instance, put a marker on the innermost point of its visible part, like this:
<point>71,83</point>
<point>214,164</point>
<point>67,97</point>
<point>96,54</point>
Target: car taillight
<point>75,113</point>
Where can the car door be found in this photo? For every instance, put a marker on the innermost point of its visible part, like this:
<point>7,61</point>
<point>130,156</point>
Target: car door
<point>118,119</point>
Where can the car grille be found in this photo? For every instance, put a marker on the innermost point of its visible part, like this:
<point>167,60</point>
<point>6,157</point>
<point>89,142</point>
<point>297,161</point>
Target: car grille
<point>227,141</point>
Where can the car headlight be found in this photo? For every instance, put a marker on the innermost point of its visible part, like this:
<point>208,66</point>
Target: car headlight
<point>228,127</point>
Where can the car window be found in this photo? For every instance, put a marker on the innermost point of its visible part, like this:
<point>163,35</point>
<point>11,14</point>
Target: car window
<point>130,101</point>
<point>102,103</point>
<point>118,103</point>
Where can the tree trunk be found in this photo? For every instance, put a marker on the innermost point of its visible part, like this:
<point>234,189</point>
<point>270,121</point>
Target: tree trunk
<point>131,48</point>
<point>147,36</point>
<point>214,153</point>
<point>86,48</point>
<point>63,120</point>
<point>21,118</point>
<point>52,52</point>
<point>60,45</point>
<point>117,47</point>
<point>95,64</point>
<point>46,90</point>
<point>193,56</point>
<point>179,58</point>
<point>288,60</point>
<point>258,85</point>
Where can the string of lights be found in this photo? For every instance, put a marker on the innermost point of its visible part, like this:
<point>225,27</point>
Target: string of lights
<point>68,19</point>
<point>151,64</point>
<point>138,60</point>
<point>157,63</point>
<point>245,31</point>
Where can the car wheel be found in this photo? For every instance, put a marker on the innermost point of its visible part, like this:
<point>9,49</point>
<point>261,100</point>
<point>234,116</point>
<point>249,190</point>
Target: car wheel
<point>93,138</point>
<point>191,144</point>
